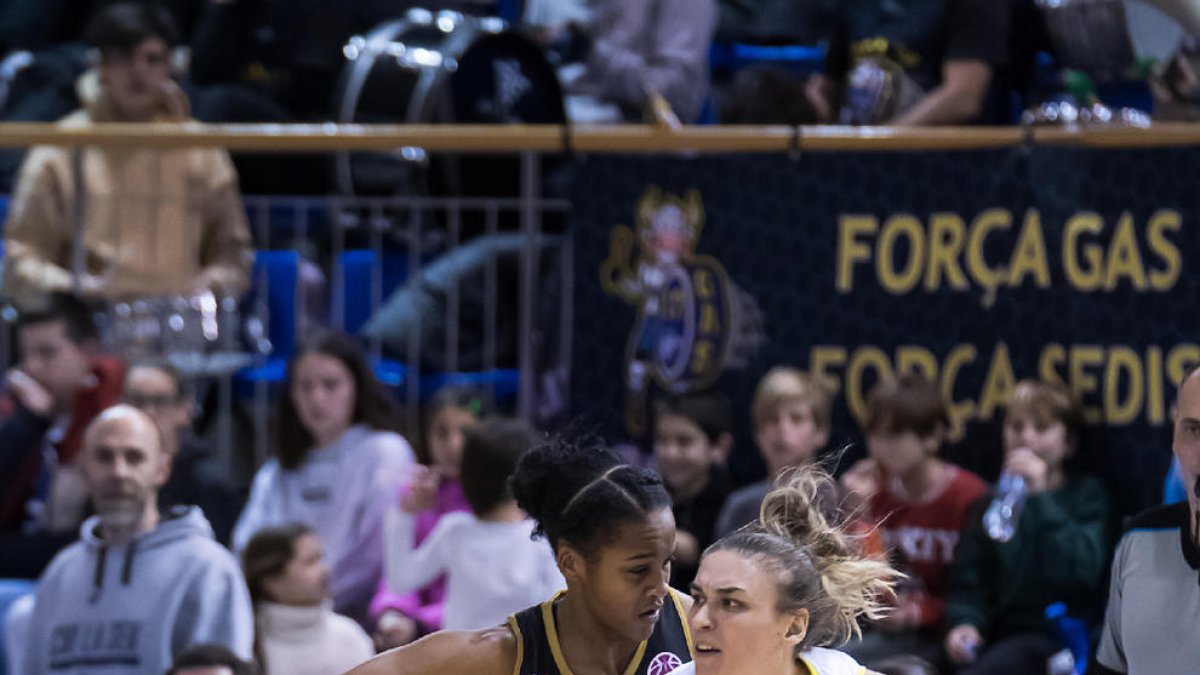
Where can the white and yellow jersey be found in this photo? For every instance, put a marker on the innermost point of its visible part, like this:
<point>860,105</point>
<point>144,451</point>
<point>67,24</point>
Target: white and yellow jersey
<point>818,661</point>
<point>822,661</point>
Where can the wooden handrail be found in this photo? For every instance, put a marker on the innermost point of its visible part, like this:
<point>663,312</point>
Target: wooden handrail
<point>607,139</point>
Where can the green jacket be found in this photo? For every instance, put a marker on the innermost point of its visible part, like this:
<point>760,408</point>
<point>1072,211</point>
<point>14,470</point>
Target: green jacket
<point>1060,552</point>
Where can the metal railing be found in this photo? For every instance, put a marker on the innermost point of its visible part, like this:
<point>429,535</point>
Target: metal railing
<point>415,227</point>
<point>417,233</point>
<point>584,139</point>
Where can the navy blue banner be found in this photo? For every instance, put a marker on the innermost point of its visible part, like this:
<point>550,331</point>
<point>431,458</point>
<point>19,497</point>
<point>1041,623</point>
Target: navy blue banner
<point>977,268</point>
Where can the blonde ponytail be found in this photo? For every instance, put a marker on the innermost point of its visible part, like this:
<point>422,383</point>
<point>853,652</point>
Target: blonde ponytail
<point>855,585</point>
<point>823,566</point>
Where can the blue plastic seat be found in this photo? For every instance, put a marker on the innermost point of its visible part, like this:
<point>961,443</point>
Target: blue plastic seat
<point>732,56</point>
<point>357,267</point>
<point>275,280</point>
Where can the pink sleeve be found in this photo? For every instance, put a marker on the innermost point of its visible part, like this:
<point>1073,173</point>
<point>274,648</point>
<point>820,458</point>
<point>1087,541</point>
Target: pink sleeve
<point>408,604</point>
<point>425,605</point>
<point>427,611</point>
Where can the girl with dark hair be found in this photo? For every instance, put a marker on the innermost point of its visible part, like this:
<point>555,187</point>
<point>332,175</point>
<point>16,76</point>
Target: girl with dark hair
<point>435,491</point>
<point>613,535</point>
<point>492,565</point>
<point>296,631</point>
<point>336,467</point>
<point>772,598</point>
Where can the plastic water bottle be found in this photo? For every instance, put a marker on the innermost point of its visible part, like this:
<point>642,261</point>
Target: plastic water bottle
<point>1000,520</point>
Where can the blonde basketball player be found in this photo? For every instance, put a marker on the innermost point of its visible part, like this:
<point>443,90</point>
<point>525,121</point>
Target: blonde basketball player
<point>772,598</point>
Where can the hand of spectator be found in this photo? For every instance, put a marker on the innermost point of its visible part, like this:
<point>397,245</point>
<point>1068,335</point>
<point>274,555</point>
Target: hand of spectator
<point>201,284</point>
<point>687,547</point>
<point>820,93</point>
<point>861,482</point>
<point>422,491</point>
<point>92,286</point>
<point>1176,87</point>
<point>963,643</point>
<point>394,630</point>
<point>29,393</point>
<point>1025,463</point>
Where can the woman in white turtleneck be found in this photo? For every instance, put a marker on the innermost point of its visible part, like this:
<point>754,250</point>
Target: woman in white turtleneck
<point>297,631</point>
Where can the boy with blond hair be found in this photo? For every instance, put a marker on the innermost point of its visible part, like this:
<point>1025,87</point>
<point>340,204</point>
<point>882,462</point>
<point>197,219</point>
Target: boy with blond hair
<point>791,413</point>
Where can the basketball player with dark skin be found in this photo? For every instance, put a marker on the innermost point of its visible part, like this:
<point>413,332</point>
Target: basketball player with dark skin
<point>613,534</point>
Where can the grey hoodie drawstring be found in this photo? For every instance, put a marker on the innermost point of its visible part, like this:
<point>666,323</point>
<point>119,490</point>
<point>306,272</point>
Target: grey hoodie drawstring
<point>98,578</point>
<point>127,570</point>
<point>101,562</point>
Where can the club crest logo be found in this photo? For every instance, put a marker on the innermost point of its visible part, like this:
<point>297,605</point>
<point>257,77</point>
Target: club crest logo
<point>693,322</point>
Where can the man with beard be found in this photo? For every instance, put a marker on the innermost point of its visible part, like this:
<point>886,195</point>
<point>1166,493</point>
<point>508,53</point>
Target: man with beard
<point>142,585</point>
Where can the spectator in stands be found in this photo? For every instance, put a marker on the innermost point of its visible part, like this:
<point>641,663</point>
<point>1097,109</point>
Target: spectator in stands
<point>491,562</point>
<point>920,504</point>
<point>61,383</point>
<point>771,91</point>
<point>999,591</point>
<point>281,59</point>
<point>628,52</point>
<point>38,24</point>
<point>791,412</point>
<point>196,476</point>
<point>1153,594</point>
<point>693,436</point>
<point>297,632</point>
<point>336,467</point>
<point>210,659</point>
<point>923,63</point>
<point>142,585</point>
<point>436,490</point>
<point>264,61</point>
<point>111,223</point>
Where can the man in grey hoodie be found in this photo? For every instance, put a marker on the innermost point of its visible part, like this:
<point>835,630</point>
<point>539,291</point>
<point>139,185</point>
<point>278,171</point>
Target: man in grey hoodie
<point>140,586</point>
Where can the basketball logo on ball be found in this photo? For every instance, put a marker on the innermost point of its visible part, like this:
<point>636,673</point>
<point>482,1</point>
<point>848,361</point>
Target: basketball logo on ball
<point>663,663</point>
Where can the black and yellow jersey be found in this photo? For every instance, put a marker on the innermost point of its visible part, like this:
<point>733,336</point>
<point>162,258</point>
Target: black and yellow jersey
<point>539,651</point>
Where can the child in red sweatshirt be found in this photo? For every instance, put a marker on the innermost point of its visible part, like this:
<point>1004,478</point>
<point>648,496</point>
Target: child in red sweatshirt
<point>920,503</point>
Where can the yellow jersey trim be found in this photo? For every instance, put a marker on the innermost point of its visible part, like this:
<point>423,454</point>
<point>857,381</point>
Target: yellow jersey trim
<point>512,625</point>
<point>687,629</point>
<point>556,647</point>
